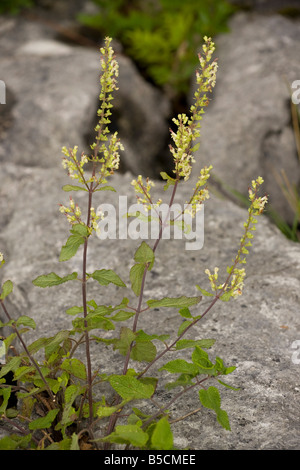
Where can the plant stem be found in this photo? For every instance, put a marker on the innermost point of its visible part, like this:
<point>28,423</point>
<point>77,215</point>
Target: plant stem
<point>32,360</point>
<point>158,413</point>
<point>114,417</point>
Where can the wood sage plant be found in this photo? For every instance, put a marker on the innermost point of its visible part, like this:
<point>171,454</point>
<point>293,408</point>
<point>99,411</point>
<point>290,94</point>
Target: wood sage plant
<point>54,385</point>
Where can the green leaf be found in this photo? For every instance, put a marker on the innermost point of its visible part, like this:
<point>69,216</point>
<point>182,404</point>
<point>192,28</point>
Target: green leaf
<point>6,289</point>
<point>122,315</point>
<point>127,336</point>
<point>130,388</point>
<point>170,181</point>
<point>37,345</point>
<point>55,341</point>
<point>74,367</point>
<point>52,279</point>
<point>8,443</point>
<point>106,276</point>
<point>104,411</point>
<point>136,277</point>
<point>211,399</point>
<point>226,296</point>
<point>71,393</point>
<point>71,187</point>
<point>78,237</point>
<point>74,310</point>
<point>190,343</point>
<point>184,325</point>
<point>200,358</point>
<point>228,386</point>
<point>142,336</point>
<point>204,292</point>
<point>144,254</point>
<point>143,351</point>
<point>185,313</point>
<point>74,443</point>
<point>128,434</point>
<point>12,365</point>
<point>162,436</point>
<point>26,321</point>
<point>180,366</point>
<point>80,229</point>
<point>176,302</point>
<point>223,419</point>
<point>4,394</point>
<point>95,321</point>
<point>106,188</point>
<point>44,422</point>
<point>182,381</point>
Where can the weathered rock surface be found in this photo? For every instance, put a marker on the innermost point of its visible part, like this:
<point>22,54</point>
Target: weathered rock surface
<point>255,333</point>
<point>54,88</point>
<point>258,333</point>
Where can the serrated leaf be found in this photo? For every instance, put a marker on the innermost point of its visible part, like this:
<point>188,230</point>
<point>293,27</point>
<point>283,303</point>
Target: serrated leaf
<point>180,366</point>
<point>74,310</point>
<point>26,321</point>
<point>74,367</point>
<point>4,394</point>
<point>11,365</point>
<point>184,325</point>
<point>74,442</point>
<point>107,276</point>
<point>96,321</point>
<point>162,436</point>
<point>185,313</point>
<point>176,302</point>
<point>71,187</point>
<point>182,381</point>
<point>78,237</point>
<point>52,279</point>
<point>122,315</point>
<point>211,399</point>
<point>223,419</point>
<point>80,229</point>
<point>55,341</point>
<point>6,289</point>
<point>144,254</point>
<point>104,411</point>
<point>136,277</point>
<point>143,351</point>
<point>128,434</point>
<point>71,393</point>
<point>130,388</point>
<point>37,345</point>
<point>127,336</point>
<point>201,360</point>
<point>45,422</point>
<point>142,336</point>
<point>190,343</point>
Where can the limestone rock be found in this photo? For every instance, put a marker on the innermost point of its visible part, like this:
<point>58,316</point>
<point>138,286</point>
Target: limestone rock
<point>56,88</point>
<point>256,333</point>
